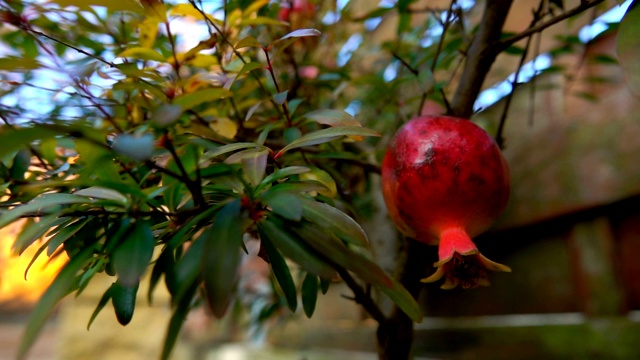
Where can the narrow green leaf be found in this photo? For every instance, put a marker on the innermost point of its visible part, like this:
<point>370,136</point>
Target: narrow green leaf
<point>59,288</point>
<point>260,20</point>
<point>332,117</point>
<point>294,248</point>
<point>334,221</point>
<point>65,233</point>
<point>309,292</point>
<point>166,114</point>
<point>279,175</point>
<point>32,231</point>
<point>221,257</point>
<point>281,272</point>
<point>104,300</point>
<point>131,258</point>
<point>191,100</point>
<point>136,147</point>
<point>301,33</point>
<point>326,135</point>
<point>225,149</point>
<point>123,298</point>
<point>177,319</point>
<point>324,285</point>
<point>15,139</point>
<point>248,41</point>
<point>141,53</point>
<point>163,265</point>
<point>250,67</point>
<point>39,204</point>
<point>292,134</point>
<point>188,267</point>
<point>99,192</point>
<point>366,269</point>
<point>285,204</point>
<point>12,63</point>
<point>254,163</point>
<point>298,187</point>
<point>281,97</point>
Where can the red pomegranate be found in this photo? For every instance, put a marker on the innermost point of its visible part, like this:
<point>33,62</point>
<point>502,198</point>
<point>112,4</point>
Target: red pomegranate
<point>445,181</point>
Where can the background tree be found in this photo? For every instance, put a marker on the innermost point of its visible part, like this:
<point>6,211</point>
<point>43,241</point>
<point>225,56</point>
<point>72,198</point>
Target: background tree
<point>169,135</point>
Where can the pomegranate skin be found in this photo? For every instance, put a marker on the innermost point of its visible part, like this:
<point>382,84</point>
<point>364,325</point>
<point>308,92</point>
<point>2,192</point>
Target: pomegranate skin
<point>444,181</point>
<point>441,172</point>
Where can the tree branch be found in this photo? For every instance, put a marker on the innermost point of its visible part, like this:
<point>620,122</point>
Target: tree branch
<point>584,5</point>
<point>480,56</point>
<point>361,297</point>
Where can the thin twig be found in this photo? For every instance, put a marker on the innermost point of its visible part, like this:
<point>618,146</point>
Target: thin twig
<point>361,297</point>
<point>584,5</point>
<point>40,33</point>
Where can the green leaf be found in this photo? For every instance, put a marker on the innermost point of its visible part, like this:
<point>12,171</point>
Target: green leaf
<point>142,53</point>
<point>248,41</point>
<point>332,117</point>
<point>136,147</point>
<point>294,248</point>
<point>254,163</point>
<point>326,135</point>
<point>292,134</point>
<point>104,300</point>
<point>281,97</point>
<point>99,192</point>
<point>281,272</point>
<point>334,221</point>
<point>12,63</point>
<point>260,20</point>
<point>64,234</point>
<point>32,231</point>
<point>366,269</point>
<point>285,204</point>
<point>324,178</point>
<point>309,292</point>
<point>191,100</point>
<point>13,139</point>
<point>166,114</point>
<point>301,33</point>
<point>163,265</point>
<point>628,47</point>
<point>188,268</point>
<point>177,319</point>
<point>279,175</point>
<point>189,10</point>
<point>39,204</point>
<point>59,288</point>
<point>123,299</point>
<point>221,257</point>
<point>131,258</point>
<point>298,187</point>
<point>225,149</point>
<point>250,67</point>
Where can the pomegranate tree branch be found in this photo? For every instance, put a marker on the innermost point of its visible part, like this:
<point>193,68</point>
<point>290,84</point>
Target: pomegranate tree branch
<point>584,5</point>
<point>361,296</point>
<point>480,56</point>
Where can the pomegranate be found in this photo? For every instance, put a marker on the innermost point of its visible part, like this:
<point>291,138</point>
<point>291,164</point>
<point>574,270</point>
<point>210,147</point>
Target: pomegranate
<point>445,181</point>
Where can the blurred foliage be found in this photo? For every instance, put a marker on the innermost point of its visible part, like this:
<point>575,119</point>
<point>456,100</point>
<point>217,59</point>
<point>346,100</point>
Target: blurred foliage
<point>170,135</point>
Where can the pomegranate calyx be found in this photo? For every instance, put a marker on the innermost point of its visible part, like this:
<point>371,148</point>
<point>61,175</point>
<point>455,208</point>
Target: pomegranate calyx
<point>461,263</point>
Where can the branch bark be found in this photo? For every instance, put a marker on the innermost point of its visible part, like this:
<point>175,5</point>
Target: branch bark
<point>480,56</point>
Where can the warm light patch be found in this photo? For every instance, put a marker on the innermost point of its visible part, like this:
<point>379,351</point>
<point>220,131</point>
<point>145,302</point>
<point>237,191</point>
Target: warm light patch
<point>13,286</point>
